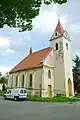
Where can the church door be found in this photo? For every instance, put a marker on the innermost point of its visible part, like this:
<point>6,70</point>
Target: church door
<point>69,88</point>
<point>49,90</point>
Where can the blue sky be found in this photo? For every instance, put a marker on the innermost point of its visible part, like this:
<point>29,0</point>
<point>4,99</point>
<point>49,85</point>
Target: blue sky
<point>14,46</point>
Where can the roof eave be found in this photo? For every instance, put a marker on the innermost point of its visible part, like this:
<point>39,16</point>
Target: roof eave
<point>56,37</point>
<point>35,67</point>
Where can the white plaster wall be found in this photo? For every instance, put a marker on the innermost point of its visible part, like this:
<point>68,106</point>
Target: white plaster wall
<point>47,81</point>
<point>63,65</point>
<point>59,78</point>
<point>36,78</point>
<point>68,65</point>
<point>49,61</point>
<point>10,80</point>
<point>59,72</point>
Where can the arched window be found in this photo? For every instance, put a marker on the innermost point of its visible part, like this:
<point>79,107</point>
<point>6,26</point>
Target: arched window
<point>56,46</point>
<point>49,74</point>
<point>30,81</point>
<point>67,46</point>
<point>55,34</point>
<point>16,83</point>
<point>22,80</point>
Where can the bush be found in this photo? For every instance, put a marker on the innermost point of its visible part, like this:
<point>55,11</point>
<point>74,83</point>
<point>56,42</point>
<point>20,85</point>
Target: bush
<point>1,93</point>
<point>3,87</point>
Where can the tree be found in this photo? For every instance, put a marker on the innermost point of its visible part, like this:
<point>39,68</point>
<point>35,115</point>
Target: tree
<point>3,87</point>
<point>19,13</point>
<point>3,80</point>
<point>0,74</point>
<point>6,75</point>
<point>76,74</point>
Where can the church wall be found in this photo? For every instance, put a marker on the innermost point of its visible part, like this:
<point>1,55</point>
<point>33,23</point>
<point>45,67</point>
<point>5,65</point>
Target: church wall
<point>48,65</point>
<point>59,78</point>
<point>49,61</point>
<point>36,80</point>
<point>63,66</point>
<point>59,84</point>
<point>10,80</point>
<point>68,65</point>
<point>47,81</point>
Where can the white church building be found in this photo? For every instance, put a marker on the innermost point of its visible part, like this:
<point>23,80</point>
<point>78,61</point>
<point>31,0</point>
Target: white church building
<point>47,72</point>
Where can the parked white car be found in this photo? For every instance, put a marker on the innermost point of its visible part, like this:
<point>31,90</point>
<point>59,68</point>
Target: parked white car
<point>16,94</point>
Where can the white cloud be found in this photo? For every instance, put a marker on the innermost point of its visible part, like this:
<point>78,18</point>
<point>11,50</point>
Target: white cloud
<point>4,42</point>
<point>47,19</point>
<point>10,51</point>
<point>5,46</point>
<point>4,69</point>
<point>75,28</point>
<point>44,22</point>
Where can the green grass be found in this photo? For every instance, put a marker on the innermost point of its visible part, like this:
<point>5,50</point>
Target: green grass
<point>53,99</point>
<point>1,93</point>
<point>77,96</point>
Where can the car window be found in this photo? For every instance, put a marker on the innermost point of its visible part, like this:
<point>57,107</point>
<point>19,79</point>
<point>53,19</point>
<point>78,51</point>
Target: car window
<point>24,91</point>
<point>21,91</point>
<point>9,91</point>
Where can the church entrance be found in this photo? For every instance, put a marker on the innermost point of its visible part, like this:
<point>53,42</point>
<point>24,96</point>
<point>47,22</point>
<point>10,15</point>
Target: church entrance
<point>49,90</point>
<point>69,87</point>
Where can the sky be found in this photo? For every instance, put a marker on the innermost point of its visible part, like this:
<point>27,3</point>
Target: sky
<point>14,46</point>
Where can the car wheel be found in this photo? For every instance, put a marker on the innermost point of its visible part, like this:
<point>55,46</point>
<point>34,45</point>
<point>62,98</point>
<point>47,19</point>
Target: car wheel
<point>5,97</point>
<point>15,98</point>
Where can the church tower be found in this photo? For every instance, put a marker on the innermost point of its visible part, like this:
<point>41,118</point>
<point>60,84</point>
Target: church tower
<point>60,42</point>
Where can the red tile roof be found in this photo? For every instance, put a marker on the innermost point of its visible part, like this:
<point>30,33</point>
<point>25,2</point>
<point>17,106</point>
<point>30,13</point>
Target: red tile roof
<point>32,60</point>
<point>59,28</point>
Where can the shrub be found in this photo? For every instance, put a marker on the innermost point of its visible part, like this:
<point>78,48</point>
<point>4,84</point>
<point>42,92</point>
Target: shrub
<point>3,87</point>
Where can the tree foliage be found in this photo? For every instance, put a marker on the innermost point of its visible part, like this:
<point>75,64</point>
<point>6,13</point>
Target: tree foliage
<point>76,74</point>
<point>19,13</point>
<point>3,87</point>
<point>0,74</point>
<point>3,80</point>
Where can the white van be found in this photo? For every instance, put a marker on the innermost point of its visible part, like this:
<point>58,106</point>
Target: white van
<point>16,94</point>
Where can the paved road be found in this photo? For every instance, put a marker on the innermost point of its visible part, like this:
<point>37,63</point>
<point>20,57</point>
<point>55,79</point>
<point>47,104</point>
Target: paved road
<point>10,110</point>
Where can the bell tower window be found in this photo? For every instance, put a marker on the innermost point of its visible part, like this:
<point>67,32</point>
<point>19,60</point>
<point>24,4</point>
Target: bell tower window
<point>67,46</point>
<point>49,74</point>
<point>55,34</point>
<point>56,46</point>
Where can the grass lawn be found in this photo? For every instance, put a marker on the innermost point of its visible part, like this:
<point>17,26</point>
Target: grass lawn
<point>77,96</point>
<point>53,99</point>
<point>1,93</point>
